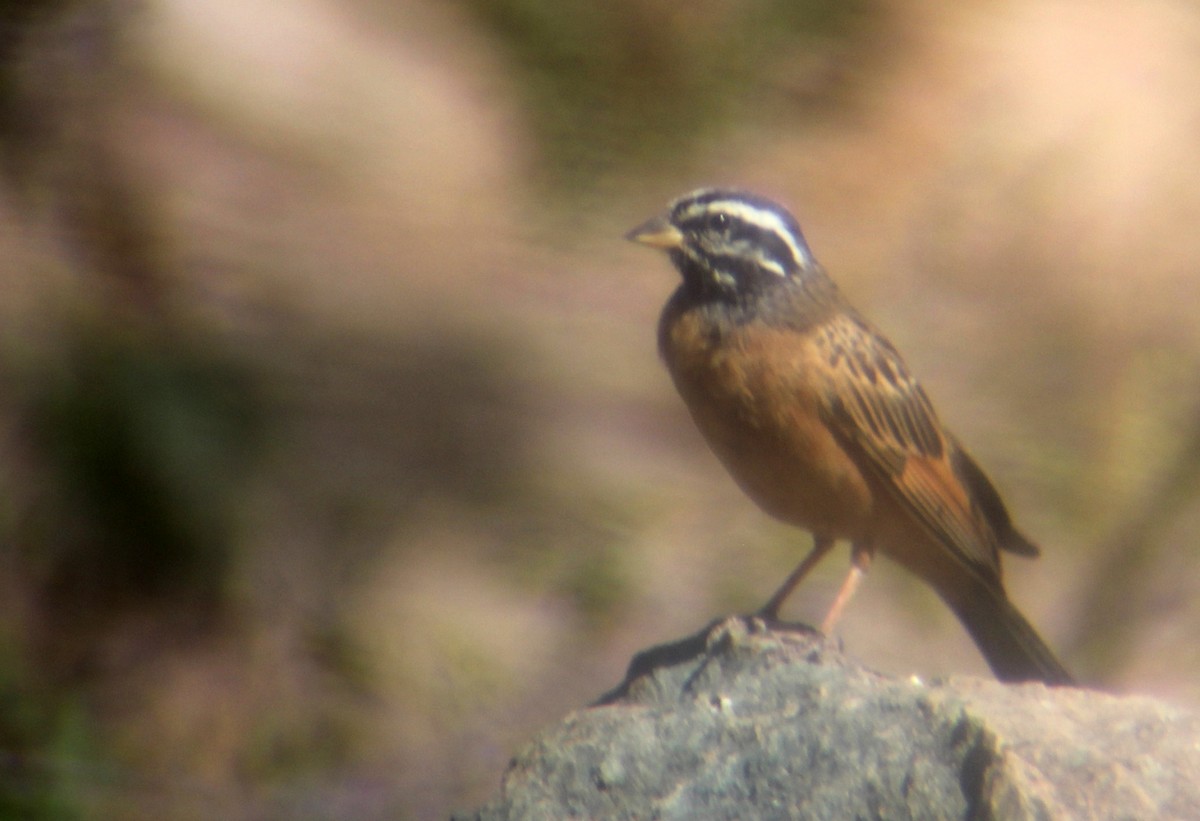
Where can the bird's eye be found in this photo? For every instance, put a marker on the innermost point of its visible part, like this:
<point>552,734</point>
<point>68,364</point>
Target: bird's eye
<point>718,221</point>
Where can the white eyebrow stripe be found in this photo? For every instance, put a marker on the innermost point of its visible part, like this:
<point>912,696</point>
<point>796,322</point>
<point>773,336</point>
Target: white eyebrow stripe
<point>770,264</point>
<point>763,218</point>
<point>766,219</point>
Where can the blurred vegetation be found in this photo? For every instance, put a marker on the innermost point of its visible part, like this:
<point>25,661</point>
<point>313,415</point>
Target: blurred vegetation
<point>619,88</point>
<point>18,18</point>
<point>130,434</point>
<point>1141,540</point>
<point>145,439</point>
<point>40,730</point>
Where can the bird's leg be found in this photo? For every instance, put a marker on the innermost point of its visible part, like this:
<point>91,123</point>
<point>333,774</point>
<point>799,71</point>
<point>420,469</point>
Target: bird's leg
<point>860,563</point>
<point>821,546</point>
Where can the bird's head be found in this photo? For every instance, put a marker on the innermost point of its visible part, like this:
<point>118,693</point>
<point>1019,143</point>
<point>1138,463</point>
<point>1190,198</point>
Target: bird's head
<point>729,244</point>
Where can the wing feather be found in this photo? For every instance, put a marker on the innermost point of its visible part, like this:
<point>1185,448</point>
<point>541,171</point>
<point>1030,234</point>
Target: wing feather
<point>885,418</point>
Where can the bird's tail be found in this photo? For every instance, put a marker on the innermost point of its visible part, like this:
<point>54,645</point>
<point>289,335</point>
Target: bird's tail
<point>1012,648</point>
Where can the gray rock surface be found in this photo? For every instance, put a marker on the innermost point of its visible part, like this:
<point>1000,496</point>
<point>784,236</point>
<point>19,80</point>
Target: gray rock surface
<point>743,721</point>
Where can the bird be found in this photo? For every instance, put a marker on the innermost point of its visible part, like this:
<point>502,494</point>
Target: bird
<point>816,416</point>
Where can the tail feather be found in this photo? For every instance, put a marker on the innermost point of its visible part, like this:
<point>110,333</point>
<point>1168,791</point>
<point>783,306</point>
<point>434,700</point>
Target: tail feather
<point>1009,643</point>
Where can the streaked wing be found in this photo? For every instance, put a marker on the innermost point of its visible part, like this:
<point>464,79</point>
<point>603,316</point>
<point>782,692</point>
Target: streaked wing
<point>886,419</point>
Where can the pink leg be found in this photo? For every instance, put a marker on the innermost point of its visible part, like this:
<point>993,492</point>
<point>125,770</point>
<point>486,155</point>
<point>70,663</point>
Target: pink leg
<point>821,546</point>
<point>860,563</point>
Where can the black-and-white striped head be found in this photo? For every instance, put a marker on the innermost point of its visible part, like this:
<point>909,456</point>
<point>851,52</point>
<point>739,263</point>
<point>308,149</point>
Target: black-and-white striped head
<point>729,243</point>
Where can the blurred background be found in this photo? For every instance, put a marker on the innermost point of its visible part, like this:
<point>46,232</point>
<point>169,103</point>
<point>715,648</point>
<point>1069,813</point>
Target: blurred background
<point>337,458</point>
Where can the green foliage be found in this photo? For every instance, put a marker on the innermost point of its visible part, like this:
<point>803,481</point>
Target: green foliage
<point>147,439</point>
<point>46,746</point>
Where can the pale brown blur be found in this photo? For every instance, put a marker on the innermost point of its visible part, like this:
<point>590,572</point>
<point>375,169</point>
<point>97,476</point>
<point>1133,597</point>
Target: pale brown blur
<point>337,456</point>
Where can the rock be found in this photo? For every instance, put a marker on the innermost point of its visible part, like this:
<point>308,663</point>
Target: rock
<point>743,721</point>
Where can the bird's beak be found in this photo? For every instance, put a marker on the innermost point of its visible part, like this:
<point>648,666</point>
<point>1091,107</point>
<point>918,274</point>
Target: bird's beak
<point>657,233</point>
